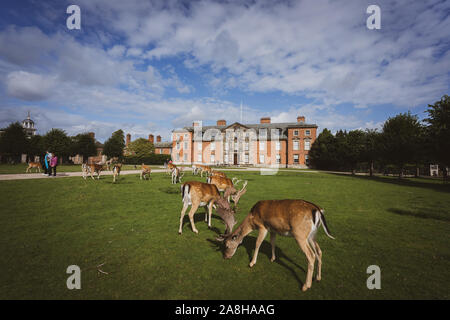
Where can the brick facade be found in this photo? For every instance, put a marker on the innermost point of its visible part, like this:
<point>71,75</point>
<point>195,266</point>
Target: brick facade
<point>264,144</point>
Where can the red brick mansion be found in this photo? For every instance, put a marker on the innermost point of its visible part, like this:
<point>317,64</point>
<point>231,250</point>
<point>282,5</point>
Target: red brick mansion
<point>264,144</point>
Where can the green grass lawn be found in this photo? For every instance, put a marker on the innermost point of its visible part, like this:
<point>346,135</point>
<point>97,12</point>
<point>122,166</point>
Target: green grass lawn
<point>21,168</point>
<point>132,227</point>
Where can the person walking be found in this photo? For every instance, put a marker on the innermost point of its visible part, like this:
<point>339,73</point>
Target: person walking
<point>53,165</point>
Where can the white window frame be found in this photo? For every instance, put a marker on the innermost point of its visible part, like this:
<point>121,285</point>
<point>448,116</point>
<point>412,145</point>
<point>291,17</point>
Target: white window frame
<point>213,146</point>
<point>246,146</point>
<point>262,145</point>
<point>277,145</point>
<point>298,158</point>
<point>295,132</point>
<point>200,146</point>
<point>296,145</point>
<point>278,158</point>
<point>213,158</point>
<point>246,158</point>
<point>307,132</point>
<point>185,145</point>
<point>199,157</point>
<point>307,145</point>
<point>185,157</point>
<point>226,158</point>
<point>261,159</point>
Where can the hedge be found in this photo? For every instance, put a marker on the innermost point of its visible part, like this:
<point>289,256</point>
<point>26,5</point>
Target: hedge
<point>152,159</point>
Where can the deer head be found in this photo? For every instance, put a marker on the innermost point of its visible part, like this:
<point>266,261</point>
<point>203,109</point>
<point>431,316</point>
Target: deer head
<point>226,213</point>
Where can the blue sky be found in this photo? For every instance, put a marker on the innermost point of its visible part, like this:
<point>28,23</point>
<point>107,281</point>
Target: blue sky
<point>152,66</point>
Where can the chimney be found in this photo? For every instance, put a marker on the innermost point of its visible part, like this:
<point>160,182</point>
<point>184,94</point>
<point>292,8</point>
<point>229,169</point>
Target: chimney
<point>300,119</point>
<point>92,135</point>
<point>150,138</point>
<point>158,138</point>
<point>221,123</point>
<point>265,120</point>
<point>128,139</point>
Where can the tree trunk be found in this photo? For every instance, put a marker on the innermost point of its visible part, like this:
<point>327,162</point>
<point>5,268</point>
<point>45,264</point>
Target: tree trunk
<point>353,172</point>
<point>417,172</point>
<point>400,175</point>
<point>371,169</point>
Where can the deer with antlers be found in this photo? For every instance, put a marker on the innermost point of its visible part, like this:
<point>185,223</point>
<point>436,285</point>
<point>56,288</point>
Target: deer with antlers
<point>298,218</point>
<point>228,186</point>
<point>198,194</point>
<point>145,172</point>
<point>177,175</point>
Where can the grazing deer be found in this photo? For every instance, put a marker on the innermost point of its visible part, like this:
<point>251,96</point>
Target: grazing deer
<point>177,175</point>
<point>195,169</point>
<point>298,218</point>
<point>145,172</point>
<point>207,170</point>
<point>116,171</point>
<point>90,169</point>
<point>228,187</point>
<point>36,165</point>
<point>215,173</point>
<point>198,194</point>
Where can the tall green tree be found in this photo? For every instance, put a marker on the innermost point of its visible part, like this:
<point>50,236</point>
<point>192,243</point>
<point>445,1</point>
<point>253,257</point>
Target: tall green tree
<point>56,141</point>
<point>355,143</point>
<point>35,146</point>
<point>371,149</point>
<point>438,130</point>
<point>141,148</point>
<point>400,140</point>
<point>13,142</point>
<point>84,145</point>
<point>323,151</point>
<point>113,147</point>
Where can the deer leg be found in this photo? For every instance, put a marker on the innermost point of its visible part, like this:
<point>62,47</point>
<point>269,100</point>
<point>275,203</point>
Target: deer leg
<point>261,235</point>
<point>210,205</point>
<point>273,236</point>
<point>319,261</point>
<point>303,244</point>
<point>194,208</point>
<point>183,212</point>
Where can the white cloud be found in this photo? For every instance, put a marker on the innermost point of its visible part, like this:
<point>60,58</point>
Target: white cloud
<point>30,86</point>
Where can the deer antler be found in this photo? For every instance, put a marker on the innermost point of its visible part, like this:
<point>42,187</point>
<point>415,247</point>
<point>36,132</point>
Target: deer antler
<point>239,194</point>
<point>234,179</point>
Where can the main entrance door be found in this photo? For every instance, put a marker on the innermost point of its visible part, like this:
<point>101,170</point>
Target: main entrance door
<point>235,159</point>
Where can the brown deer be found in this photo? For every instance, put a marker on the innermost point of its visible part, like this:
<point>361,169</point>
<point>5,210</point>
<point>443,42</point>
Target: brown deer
<point>170,167</point>
<point>90,169</point>
<point>116,171</point>
<point>36,165</point>
<point>198,194</point>
<point>177,175</point>
<point>298,218</point>
<point>215,173</point>
<point>228,187</point>
<point>145,172</point>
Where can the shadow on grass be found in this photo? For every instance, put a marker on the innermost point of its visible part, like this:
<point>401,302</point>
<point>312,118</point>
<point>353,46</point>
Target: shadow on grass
<point>249,244</point>
<point>427,183</point>
<point>424,214</point>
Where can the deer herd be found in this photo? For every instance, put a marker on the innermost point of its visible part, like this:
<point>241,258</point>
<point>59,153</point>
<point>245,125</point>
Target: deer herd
<point>299,219</point>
